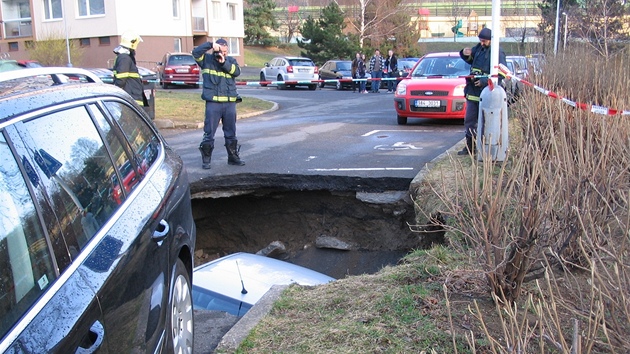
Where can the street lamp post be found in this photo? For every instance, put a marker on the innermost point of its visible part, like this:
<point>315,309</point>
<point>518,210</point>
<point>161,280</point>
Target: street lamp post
<point>555,42</point>
<point>566,26</point>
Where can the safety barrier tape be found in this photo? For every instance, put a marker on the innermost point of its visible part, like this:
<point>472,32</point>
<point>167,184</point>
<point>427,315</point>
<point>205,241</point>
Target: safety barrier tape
<point>583,106</point>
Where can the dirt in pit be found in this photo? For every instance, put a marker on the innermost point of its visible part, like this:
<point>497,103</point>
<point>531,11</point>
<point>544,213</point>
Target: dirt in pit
<point>379,233</point>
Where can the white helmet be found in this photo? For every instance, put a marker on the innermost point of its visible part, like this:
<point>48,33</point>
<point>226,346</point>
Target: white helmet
<point>130,40</point>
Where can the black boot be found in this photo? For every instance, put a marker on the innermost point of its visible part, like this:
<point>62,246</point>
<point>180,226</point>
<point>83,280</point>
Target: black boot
<point>233,148</point>
<point>469,149</point>
<point>206,155</point>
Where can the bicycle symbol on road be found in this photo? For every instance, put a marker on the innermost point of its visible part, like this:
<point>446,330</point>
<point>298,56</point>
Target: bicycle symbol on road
<point>397,146</point>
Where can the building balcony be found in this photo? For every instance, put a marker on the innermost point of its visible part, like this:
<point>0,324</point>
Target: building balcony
<point>17,28</point>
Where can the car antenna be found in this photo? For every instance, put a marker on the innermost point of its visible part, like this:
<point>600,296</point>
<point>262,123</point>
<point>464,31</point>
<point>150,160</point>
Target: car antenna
<point>243,291</point>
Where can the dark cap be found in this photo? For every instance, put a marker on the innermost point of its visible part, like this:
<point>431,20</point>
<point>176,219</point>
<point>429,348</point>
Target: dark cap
<point>485,33</point>
<point>221,42</point>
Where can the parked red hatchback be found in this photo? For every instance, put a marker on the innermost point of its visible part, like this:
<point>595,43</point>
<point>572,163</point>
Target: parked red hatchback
<point>434,89</point>
<point>178,69</point>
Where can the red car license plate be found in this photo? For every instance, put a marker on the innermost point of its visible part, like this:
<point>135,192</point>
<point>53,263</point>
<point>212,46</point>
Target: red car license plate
<point>427,103</point>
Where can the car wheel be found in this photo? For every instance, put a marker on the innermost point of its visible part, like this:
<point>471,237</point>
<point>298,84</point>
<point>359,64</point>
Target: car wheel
<point>402,120</point>
<point>164,84</point>
<point>281,86</point>
<point>322,84</point>
<point>339,85</point>
<point>262,78</point>
<point>181,314</point>
<point>312,87</point>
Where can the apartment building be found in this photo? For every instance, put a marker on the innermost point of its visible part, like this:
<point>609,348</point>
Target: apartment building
<point>96,26</point>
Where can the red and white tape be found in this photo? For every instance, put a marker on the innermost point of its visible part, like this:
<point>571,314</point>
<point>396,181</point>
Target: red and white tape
<point>583,106</point>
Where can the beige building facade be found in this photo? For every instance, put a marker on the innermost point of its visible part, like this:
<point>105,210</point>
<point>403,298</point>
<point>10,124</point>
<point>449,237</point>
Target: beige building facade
<point>95,26</point>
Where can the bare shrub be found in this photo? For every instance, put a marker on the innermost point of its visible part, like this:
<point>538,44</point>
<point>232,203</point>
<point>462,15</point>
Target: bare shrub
<point>557,209</point>
<point>51,50</point>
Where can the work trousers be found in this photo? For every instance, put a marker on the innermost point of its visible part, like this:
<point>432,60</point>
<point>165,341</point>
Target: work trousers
<point>216,112</point>
<point>471,118</point>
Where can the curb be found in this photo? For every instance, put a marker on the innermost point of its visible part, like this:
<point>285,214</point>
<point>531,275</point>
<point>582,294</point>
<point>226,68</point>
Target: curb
<point>172,124</point>
<point>233,338</point>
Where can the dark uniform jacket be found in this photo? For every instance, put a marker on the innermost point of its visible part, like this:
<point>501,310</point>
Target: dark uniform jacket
<point>218,79</point>
<point>479,60</point>
<point>126,75</point>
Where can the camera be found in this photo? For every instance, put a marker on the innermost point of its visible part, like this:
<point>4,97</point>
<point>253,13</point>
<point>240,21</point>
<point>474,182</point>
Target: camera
<point>218,55</point>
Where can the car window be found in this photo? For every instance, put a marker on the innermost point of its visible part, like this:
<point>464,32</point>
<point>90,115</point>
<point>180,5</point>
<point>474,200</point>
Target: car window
<point>301,62</point>
<point>181,60</point>
<point>76,170</point>
<point>344,65</point>
<point>441,66</point>
<point>145,144</point>
<point>26,264</point>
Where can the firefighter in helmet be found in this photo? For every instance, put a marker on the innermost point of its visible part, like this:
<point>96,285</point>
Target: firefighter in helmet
<point>126,74</point>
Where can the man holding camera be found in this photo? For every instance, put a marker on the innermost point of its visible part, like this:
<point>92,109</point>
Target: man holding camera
<point>219,92</point>
<point>479,59</point>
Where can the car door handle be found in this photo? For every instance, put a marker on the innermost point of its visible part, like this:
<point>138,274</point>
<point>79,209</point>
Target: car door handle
<point>161,231</point>
<point>94,339</point>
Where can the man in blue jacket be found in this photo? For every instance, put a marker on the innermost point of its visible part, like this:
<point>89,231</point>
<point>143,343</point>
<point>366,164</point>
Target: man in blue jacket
<point>219,92</point>
<point>479,58</point>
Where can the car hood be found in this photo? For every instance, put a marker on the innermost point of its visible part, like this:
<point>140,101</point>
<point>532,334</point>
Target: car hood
<point>433,83</point>
<point>258,275</point>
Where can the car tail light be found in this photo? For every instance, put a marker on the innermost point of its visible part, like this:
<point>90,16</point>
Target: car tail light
<point>195,69</point>
<point>289,69</point>
<point>316,71</point>
<point>169,71</point>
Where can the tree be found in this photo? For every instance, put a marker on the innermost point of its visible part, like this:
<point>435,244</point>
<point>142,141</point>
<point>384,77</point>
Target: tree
<point>379,20</point>
<point>258,19</point>
<point>599,23</point>
<point>323,39</point>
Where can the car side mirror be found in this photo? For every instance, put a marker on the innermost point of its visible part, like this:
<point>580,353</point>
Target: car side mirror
<point>267,64</point>
<point>159,63</point>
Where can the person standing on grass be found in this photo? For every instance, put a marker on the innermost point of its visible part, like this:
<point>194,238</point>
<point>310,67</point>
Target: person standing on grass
<point>219,92</point>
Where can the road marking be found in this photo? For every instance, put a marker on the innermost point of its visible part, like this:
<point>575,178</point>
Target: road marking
<point>363,169</point>
<point>397,146</point>
<point>397,131</point>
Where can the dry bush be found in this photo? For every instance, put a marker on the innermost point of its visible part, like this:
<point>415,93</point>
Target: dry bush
<point>556,209</point>
<point>51,50</point>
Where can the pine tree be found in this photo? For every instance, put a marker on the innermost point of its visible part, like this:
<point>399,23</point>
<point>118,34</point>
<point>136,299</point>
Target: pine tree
<point>323,39</point>
<point>259,19</point>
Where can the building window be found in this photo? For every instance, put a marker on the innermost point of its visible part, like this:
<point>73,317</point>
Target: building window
<point>13,47</point>
<point>231,11</point>
<point>91,7</point>
<point>52,9</point>
<point>84,42</point>
<point>176,8</point>
<point>177,45</point>
<point>233,45</point>
<point>103,41</point>
<point>216,10</point>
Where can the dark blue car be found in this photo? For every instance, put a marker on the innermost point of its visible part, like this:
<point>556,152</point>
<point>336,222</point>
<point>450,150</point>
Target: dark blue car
<point>82,271</point>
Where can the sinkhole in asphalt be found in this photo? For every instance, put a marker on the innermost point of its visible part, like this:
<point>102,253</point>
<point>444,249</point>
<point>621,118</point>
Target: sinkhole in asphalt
<point>371,233</point>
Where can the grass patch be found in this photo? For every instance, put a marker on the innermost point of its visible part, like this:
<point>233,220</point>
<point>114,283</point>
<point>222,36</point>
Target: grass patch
<point>257,56</point>
<point>188,107</point>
